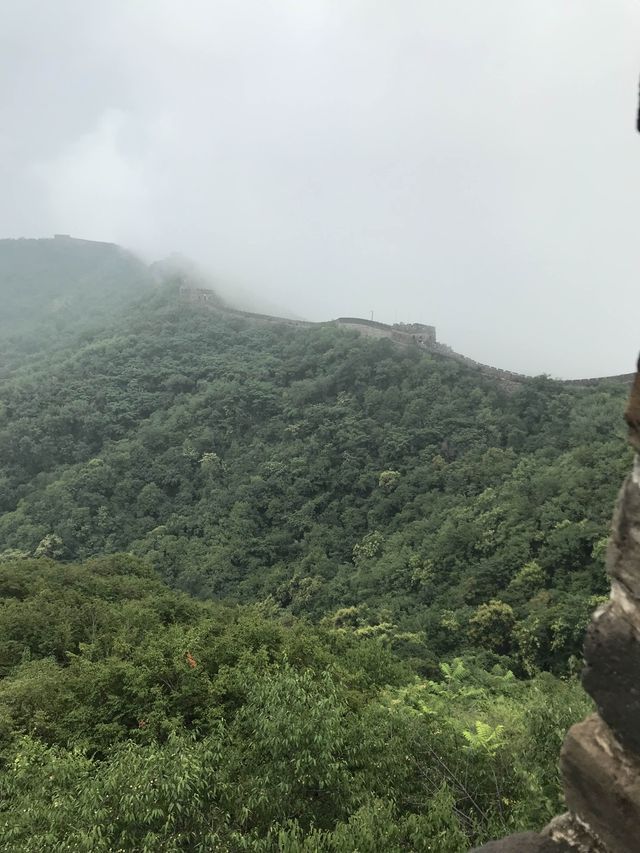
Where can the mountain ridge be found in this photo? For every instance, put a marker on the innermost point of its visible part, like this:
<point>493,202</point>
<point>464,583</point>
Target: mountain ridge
<point>96,262</point>
<point>403,334</point>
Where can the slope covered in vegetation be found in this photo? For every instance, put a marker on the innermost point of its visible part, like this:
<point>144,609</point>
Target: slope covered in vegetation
<point>322,472</point>
<point>272,588</point>
<point>134,718</point>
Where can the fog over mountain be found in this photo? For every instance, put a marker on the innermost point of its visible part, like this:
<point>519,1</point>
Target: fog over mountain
<point>471,165</point>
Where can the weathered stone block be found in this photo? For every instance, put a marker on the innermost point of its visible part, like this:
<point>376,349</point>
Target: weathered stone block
<point>569,830</point>
<point>602,785</point>
<point>612,672</point>
<point>623,555</point>
<point>523,842</point>
<point>632,412</point>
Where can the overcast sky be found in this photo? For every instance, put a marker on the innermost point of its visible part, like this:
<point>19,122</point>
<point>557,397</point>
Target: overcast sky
<point>468,164</point>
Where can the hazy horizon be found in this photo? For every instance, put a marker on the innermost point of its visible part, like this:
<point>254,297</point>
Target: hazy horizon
<point>474,168</point>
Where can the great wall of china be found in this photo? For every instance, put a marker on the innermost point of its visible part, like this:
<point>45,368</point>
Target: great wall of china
<point>403,334</point>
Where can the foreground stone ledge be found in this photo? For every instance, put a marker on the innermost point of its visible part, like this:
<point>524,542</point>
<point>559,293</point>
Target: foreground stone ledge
<point>525,842</point>
<point>623,554</point>
<point>612,672</point>
<point>602,785</point>
<point>569,830</point>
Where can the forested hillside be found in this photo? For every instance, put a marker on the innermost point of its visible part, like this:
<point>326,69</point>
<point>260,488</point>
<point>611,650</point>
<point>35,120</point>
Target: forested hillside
<point>52,289</point>
<point>138,719</point>
<point>271,588</point>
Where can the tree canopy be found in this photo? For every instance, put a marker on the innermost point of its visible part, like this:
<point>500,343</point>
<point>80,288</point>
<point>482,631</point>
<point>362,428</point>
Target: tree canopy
<point>265,587</point>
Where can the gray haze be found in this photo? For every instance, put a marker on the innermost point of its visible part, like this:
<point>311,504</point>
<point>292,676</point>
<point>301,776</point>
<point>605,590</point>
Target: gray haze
<point>463,163</point>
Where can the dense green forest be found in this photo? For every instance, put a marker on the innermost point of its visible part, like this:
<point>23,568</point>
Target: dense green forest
<point>136,718</point>
<point>276,588</point>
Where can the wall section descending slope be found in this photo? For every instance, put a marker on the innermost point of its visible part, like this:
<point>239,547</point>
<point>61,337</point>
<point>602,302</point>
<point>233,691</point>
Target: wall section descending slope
<point>402,334</point>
